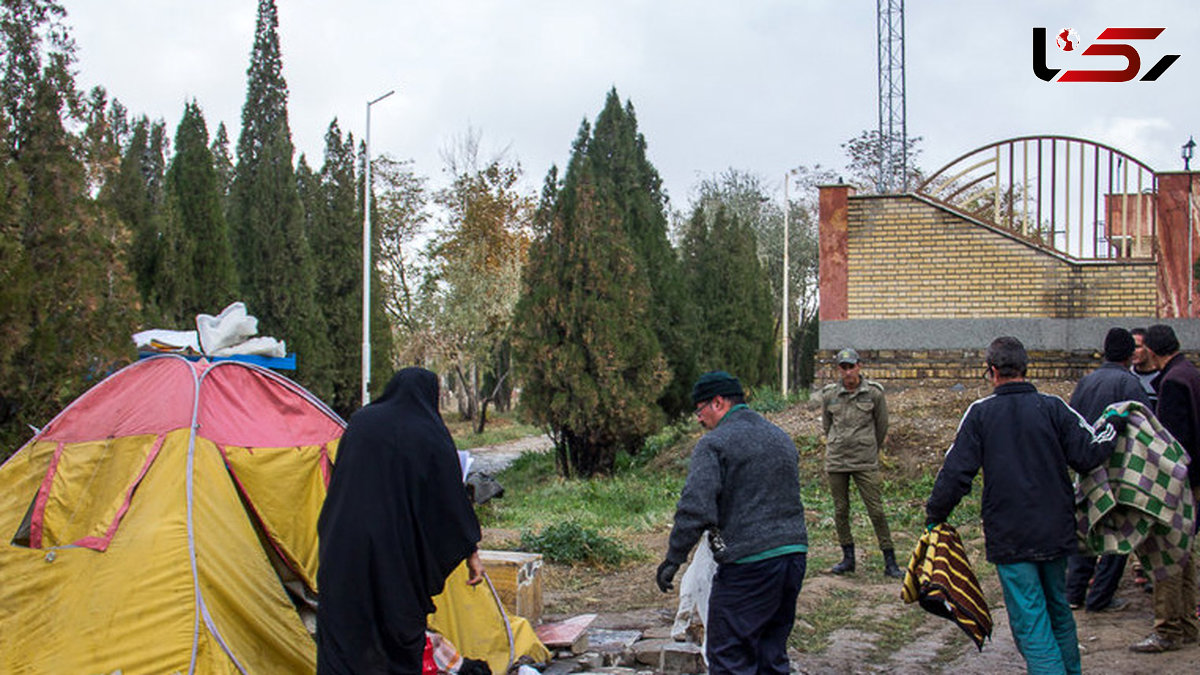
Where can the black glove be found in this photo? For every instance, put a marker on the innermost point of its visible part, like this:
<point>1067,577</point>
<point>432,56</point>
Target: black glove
<point>1118,422</point>
<point>474,667</point>
<point>666,572</point>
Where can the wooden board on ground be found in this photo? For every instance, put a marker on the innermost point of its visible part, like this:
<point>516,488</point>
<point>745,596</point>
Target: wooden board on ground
<point>569,634</point>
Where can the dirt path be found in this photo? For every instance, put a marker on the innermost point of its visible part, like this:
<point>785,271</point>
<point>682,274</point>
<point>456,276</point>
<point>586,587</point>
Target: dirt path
<point>881,634</point>
<point>494,458</point>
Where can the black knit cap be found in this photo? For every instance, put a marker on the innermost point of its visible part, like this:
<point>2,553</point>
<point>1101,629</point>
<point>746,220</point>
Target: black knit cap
<point>1161,340</point>
<point>1118,345</point>
<point>715,383</point>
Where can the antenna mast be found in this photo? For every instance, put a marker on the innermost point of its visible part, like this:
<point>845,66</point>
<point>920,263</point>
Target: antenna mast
<point>893,132</point>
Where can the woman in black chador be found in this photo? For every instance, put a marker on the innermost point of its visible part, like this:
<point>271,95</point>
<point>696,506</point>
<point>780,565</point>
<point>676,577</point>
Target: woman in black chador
<point>396,522</point>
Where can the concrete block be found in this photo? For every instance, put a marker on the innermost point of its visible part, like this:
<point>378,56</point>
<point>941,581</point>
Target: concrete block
<point>590,661</point>
<point>681,657</point>
<point>563,667</point>
<point>608,640</point>
<point>649,652</point>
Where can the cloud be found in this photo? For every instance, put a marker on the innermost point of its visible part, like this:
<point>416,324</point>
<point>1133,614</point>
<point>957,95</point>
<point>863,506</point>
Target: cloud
<point>1145,138</point>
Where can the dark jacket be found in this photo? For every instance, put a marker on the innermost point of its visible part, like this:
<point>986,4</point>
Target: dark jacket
<point>744,482</point>
<point>1108,384</point>
<point>1025,442</point>
<point>1179,408</point>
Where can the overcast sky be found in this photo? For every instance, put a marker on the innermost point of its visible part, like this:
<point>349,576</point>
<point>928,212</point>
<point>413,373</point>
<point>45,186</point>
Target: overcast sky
<point>758,85</point>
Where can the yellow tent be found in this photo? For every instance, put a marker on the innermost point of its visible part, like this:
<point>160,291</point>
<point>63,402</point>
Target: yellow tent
<point>473,619</point>
<point>165,522</point>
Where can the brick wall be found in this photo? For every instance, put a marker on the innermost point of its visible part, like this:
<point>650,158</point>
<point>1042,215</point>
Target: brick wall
<point>943,366</point>
<point>907,257</point>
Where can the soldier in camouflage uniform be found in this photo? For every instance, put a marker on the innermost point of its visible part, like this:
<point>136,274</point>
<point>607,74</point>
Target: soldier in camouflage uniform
<point>855,419</point>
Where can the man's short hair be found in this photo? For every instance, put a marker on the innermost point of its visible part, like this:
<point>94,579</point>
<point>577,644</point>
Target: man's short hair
<point>1138,331</point>
<point>1118,345</point>
<point>1007,355</point>
<point>1161,340</point>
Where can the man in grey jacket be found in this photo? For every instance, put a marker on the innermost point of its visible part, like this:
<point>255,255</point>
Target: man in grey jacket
<point>742,487</point>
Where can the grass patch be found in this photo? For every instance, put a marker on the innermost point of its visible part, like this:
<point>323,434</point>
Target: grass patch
<point>765,400</point>
<point>569,543</point>
<point>897,632</point>
<point>634,499</point>
<point>813,628</point>
<point>904,500</point>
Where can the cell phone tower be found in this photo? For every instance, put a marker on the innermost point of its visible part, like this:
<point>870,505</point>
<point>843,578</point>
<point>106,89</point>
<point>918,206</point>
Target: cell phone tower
<point>893,132</point>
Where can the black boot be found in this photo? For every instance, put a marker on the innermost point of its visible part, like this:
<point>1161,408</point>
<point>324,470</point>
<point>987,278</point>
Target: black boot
<point>890,569</point>
<point>847,564</point>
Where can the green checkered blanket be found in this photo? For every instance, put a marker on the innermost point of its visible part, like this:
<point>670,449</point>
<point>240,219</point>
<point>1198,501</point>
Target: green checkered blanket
<point>1139,501</point>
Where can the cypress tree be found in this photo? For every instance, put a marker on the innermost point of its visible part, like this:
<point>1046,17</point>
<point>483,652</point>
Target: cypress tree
<point>70,308</point>
<point>335,229</point>
<point>159,253</point>
<point>616,153</point>
<point>130,197</point>
<point>274,262</point>
<point>734,297</point>
<point>223,164</point>
<point>195,204</point>
<point>591,361</point>
<point>105,133</point>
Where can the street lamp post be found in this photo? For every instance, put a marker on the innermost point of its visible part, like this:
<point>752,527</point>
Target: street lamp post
<point>1186,153</point>
<point>786,263</point>
<point>366,269</point>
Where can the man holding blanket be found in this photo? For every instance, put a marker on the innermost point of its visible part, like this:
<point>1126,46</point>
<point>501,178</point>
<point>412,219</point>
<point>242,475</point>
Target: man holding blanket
<point>1025,442</point>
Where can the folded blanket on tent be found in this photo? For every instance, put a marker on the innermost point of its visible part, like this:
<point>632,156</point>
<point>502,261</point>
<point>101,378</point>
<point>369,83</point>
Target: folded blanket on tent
<point>1139,501</point>
<point>167,341</point>
<point>259,346</point>
<point>939,578</point>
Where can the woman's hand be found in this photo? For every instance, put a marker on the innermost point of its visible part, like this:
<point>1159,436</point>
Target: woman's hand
<point>474,568</point>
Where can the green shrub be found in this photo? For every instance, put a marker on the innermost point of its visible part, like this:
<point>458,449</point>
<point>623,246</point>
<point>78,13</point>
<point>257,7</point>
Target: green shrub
<point>570,543</point>
<point>768,400</point>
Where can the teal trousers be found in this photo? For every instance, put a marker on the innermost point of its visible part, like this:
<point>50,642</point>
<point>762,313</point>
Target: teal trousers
<point>1039,616</point>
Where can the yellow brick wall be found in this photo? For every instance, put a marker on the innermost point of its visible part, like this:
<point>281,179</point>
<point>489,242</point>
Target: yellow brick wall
<point>955,365</point>
<point>908,258</point>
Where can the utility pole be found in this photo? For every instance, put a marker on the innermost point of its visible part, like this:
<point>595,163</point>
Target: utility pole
<point>366,256</point>
<point>784,365</point>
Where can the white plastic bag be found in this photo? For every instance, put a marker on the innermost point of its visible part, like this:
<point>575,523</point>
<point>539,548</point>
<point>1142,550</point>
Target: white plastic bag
<point>694,589</point>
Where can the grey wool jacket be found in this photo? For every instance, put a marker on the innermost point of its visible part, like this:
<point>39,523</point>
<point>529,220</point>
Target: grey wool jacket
<point>743,483</point>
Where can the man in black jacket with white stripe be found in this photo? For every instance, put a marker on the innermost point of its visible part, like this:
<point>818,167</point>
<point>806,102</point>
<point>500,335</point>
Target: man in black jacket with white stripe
<point>1026,443</point>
